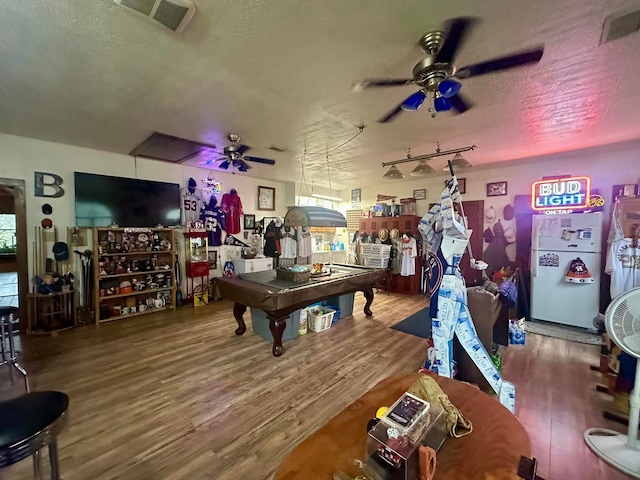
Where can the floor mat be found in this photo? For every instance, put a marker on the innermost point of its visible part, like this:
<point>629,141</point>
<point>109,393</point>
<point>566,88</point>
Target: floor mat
<point>571,334</point>
<point>418,324</point>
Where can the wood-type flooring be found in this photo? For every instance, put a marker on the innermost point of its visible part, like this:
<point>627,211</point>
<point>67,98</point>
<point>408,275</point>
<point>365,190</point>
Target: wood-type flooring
<point>176,395</point>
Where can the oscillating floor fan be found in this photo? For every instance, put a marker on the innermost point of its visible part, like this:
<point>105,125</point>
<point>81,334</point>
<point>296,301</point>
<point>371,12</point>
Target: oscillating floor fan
<point>622,320</point>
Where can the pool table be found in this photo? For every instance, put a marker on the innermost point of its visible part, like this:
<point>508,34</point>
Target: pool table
<point>279,298</point>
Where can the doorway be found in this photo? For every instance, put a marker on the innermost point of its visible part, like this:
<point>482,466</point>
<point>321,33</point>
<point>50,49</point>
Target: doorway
<point>14,280</point>
<point>473,210</point>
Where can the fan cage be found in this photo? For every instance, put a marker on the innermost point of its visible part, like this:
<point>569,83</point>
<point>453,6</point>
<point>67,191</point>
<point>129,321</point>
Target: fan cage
<point>623,322</point>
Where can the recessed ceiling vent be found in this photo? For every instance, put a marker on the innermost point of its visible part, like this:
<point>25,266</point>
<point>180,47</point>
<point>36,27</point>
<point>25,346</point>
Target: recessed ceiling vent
<point>620,25</point>
<point>277,148</point>
<point>173,14</point>
<point>168,148</point>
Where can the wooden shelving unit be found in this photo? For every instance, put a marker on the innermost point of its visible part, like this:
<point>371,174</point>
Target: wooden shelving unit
<point>140,261</point>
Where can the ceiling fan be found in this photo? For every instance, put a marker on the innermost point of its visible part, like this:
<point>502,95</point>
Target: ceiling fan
<point>435,73</point>
<point>234,156</point>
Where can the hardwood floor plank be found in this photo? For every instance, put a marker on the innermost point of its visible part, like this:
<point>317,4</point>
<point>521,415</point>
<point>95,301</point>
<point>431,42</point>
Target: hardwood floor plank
<point>177,395</point>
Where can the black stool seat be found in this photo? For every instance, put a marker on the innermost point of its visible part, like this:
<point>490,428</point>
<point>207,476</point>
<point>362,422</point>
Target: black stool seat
<point>30,422</point>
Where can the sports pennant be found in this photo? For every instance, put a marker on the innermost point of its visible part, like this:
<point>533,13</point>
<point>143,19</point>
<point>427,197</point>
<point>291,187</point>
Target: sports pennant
<point>231,240</point>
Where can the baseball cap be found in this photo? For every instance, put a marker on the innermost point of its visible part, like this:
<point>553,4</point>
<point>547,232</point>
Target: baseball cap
<point>47,209</point>
<point>61,251</point>
<point>46,223</point>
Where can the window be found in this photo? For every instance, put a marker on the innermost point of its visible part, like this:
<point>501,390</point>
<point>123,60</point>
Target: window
<point>7,233</point>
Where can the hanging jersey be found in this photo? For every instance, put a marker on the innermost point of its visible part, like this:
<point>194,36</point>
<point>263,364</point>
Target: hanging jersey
<point>231,205</point>
<point>409,253</point>
<point>272,236</point>
<point>304,242</point>
<point>623,264</point>
<point>288,243</point>
<point>213,220</point>
<point>191,204</point>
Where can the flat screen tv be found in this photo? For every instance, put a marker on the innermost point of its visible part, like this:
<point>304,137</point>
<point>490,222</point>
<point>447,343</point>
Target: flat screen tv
<point>102,200</point>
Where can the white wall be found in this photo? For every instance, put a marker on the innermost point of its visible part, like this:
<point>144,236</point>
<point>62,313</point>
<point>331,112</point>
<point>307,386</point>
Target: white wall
<point>20,157</point>
<point>607,166</point>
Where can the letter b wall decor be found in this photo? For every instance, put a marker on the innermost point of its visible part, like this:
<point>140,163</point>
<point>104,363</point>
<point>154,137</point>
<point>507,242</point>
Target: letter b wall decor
<point>53,182</point>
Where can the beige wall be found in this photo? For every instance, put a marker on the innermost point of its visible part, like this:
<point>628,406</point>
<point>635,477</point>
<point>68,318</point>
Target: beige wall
<point>20,157</point>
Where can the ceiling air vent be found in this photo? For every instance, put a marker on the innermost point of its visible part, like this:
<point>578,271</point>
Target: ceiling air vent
<point>620,25</point>
<point>277,148</point>
<point>173,14</point>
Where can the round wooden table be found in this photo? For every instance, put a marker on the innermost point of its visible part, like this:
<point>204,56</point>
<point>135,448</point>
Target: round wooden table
<point>492,451</point>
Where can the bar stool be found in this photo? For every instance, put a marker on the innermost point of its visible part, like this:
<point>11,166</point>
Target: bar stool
<point>10,355</point>
<point>30,422</point>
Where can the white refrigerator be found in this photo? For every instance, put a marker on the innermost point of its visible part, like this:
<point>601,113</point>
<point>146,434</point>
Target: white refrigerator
<point>558,294</point>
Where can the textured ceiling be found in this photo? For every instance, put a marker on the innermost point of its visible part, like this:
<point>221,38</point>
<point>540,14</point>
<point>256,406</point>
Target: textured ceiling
<point>93,74</point>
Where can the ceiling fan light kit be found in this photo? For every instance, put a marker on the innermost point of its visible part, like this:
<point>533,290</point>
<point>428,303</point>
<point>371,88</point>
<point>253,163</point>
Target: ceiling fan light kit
<point>414,102</point>
<point>234,156</point>
<point>435,73</point>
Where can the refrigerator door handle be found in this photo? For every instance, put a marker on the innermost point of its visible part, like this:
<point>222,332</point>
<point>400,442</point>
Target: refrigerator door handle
<point>534,263</point>
<point>573,245</point>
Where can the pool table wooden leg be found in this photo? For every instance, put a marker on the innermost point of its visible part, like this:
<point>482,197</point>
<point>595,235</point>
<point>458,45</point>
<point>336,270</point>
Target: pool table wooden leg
<point>277,326</point>
<point>368,294</point>
<point>238,312</point>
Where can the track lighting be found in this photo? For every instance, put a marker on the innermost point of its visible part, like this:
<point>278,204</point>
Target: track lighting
<point>393,174</point>
<point>458,162</point>
<point>422,170</point>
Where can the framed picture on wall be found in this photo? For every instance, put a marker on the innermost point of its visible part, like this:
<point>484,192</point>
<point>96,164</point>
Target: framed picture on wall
<point>249,222</point>
<point>496,189</point>
<point>213,259</point>
<point>266,198</point>
<point>356,195</point>
<point>420,194</point>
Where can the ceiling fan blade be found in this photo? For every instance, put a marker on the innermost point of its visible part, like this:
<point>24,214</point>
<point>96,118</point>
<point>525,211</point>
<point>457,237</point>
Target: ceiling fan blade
<point>391,115</point>
<point>456,33</point>
<point>242,148</point>
<point>380,82</point>
<point>224,165</point>
<point>266,161</point>
<point>459,104</point>
<point>502,63</point>
<point>241,166</point>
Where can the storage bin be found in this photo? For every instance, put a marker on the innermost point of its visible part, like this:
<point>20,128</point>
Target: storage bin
<point>320,318</point>
<point>260,324</point>
<point>376,250</point>
<point>343,303</point>
<point>376,262</point>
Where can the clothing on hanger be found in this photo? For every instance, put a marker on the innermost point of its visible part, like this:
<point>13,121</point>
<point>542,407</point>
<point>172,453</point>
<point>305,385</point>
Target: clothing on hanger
<point>231,205</point>
<point>304,241</point>
<point>272,236</point>
<point>288,242</point>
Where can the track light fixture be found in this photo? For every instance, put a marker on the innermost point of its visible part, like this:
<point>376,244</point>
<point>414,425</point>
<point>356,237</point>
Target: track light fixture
<point>458,162</point>
<point>423,168</point>
<point>393,174</point>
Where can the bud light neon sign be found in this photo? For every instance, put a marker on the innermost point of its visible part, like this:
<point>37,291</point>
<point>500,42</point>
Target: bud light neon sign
<point>561,193</point>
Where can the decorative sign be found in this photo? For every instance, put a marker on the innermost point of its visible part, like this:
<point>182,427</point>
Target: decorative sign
<point>567,194</point>
<point>49,180</point>
<point>549,260</point>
